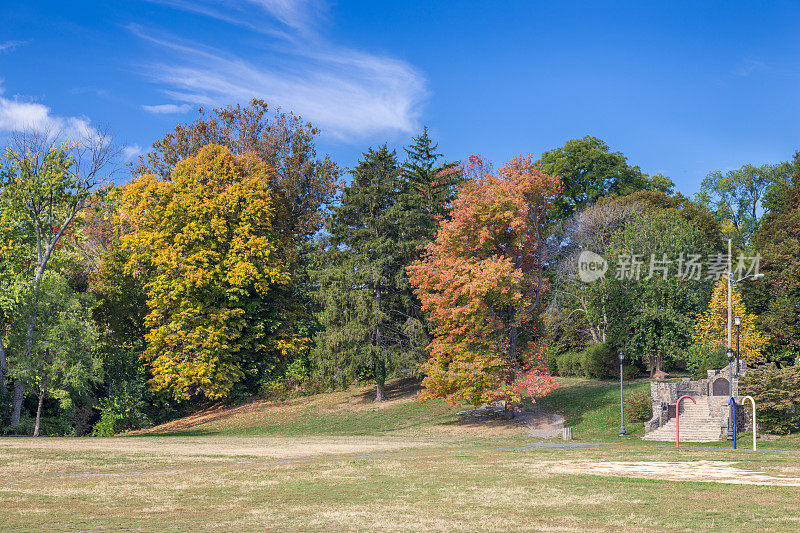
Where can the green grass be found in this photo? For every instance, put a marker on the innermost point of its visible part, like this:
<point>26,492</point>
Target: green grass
<point>339,462</point>
<point>591,407</point>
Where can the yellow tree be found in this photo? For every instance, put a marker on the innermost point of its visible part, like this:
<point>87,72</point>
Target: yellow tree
<point>712,326</point>
<point>205,245</point>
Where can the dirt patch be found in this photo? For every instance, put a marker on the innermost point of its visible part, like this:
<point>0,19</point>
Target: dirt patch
<point>700,471</point>
<point>188,448</point>
<point>537,421</point>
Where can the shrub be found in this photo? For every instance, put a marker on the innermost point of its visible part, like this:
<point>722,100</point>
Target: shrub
<point>120,413</point>
<point>551,358</point>
<point>701,358</point>
<point>570,364</point>
<point>777,395</point>
<point>597,360</point>
<point>639,406</point>
<point>276,390</point>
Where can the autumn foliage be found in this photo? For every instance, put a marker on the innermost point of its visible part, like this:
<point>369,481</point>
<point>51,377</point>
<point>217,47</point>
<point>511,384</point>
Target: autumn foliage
<point>204,243</point>
<point>712,326</point>
<point>482,281</point>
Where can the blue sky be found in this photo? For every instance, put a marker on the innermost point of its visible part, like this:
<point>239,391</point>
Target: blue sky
<point>682,88</point>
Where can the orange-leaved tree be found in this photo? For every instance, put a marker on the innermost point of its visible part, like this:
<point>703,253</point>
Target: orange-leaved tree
<point>481,282</point>
<point>711,328</point>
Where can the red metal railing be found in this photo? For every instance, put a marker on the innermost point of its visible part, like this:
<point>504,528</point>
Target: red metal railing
<point>678,419</point>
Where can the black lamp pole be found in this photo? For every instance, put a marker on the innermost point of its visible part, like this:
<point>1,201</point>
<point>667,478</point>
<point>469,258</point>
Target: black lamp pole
<point>738,321</point>
<point>621,399</point>
<point>730,393</point>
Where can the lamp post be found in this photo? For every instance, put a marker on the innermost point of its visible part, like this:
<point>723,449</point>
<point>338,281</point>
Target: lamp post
<point>737,320</point>
<point>621,400</point>
<point>730,394</point>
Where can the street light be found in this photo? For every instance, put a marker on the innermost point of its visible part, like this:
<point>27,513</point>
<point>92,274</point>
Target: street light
<point>621,400</point>
<point>737,320</point>
<point>730,394</point>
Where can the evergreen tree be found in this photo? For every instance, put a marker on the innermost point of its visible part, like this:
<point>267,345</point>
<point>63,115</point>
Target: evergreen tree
<point>363,288</point>
<point>430,188</point>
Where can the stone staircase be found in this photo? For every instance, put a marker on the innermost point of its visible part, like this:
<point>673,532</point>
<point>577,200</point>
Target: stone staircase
<point>697,424</point>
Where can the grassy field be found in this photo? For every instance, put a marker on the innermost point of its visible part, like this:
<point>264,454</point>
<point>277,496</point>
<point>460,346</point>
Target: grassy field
<point>338,462</point>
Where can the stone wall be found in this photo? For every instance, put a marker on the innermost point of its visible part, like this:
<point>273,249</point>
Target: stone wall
<point>665,395</point>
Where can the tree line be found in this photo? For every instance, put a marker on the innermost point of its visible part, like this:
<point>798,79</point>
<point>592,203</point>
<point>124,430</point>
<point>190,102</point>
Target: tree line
<point>237,261</point>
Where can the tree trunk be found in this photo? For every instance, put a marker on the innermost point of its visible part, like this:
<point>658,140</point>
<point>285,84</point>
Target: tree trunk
<point>3,388</point>
<point>380,379</point>
<point>380,363</point>
<point>43,259</point>
<point>38,415</point>
<point>19,394</point>
<point>512,345</point>
<point>380,392</point>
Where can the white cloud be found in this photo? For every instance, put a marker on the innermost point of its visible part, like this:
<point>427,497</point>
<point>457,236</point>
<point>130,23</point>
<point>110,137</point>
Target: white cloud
<point>9,46</point>
<point>346,92</point>
<point>131,151</point>
<point>167,108</point>
<point>750,66</point>
<point>19,115</point>
<point>259,15</point>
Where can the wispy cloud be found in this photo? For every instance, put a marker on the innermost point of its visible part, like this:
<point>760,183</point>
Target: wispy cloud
<point>9,46</point>
<point>19,115</point>
<point>165,109</point>
<point>259,15</point>
<point>346,92</point>
<point>750,66</point>
<point>131,151</point>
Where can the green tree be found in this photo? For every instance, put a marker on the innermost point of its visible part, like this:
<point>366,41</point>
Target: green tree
<point>742,196</point>
<point>60,362</point>
<point>589,170</point>
<point>363,288</point>
<point>430,188</point>
<point>46,187</point>
<point>776,298</point>
<point>651,306</point>
<point>577,313</point>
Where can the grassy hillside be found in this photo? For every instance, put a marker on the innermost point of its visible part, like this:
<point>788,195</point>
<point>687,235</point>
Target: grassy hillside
<point>590,407</point>
<point>351,412</point>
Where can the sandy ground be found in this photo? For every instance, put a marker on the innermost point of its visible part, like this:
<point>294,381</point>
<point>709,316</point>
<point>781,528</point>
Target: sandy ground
<point>702,471</point>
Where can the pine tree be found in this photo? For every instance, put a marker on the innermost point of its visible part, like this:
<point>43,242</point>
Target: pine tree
<point>363,288</point>
<point>430,188</point>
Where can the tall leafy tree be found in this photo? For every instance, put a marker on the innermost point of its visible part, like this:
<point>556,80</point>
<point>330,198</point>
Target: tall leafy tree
<point>653,294</point>
<point>47,187</point>
<point>741,197</point>
<point>578,312</point>
<point>205,245</point>
<point>776,299</point>
<point>61,361</point>
<point>303,185</point>
<point>711,329</point>
<point>363,289</point>
<point>482,282</point>
<point>589,170</point>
